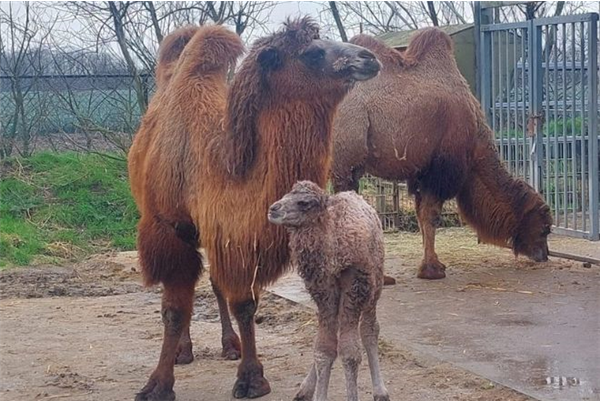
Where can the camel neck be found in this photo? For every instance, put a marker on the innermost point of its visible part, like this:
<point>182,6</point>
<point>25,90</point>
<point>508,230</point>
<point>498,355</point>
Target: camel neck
<point>310,247</point>
<point>296,141</point>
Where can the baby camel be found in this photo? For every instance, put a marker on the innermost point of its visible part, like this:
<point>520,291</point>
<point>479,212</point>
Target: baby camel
<point>337,244</point>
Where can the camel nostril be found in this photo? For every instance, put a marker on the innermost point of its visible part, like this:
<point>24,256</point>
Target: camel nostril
<point>275,207</point>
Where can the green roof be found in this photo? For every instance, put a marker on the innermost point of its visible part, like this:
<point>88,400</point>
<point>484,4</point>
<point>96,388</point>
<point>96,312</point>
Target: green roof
<point>402,38</point>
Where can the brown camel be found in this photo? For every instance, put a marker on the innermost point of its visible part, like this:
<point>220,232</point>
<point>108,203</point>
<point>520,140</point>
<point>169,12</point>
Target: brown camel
<point>336,243</point>
<point>417,121</point>
<point>208,161</point>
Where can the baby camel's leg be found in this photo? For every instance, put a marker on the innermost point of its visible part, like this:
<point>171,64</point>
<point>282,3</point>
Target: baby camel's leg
<point>349,343</point>
<point>317,381</point>
<point>307,388</point>
<point>369,332</point>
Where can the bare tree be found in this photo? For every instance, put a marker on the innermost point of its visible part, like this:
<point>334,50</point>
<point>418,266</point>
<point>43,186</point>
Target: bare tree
<point>22,39</point>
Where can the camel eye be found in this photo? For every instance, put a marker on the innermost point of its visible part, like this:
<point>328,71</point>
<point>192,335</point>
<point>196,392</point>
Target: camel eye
<point>304,205</point>
<point>314,56</point>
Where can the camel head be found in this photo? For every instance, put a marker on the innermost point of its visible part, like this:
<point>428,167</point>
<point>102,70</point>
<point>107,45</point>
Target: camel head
<point>532,234</point>
<point>302,206</point>
<point>298,61</point>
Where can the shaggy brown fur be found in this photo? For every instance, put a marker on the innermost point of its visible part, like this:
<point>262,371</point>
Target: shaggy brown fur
<point>417,121</point>
<point>337,246</point>
<point>206,164</point>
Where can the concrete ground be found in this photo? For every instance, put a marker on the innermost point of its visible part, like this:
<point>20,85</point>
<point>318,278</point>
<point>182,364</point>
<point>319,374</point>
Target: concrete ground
<point>532,327</point>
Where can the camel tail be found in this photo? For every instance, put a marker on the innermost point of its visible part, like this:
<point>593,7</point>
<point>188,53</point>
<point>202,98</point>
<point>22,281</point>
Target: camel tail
<point>429,43</point>
<point>197,49</point>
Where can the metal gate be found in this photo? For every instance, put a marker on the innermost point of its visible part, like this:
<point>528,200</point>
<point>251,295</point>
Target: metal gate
<point>539,88</point>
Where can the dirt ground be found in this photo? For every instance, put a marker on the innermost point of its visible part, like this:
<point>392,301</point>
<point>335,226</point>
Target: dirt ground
<point>90,331</point>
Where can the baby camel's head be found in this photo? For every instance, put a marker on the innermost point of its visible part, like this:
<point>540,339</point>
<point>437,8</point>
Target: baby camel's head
<point>300,207</point>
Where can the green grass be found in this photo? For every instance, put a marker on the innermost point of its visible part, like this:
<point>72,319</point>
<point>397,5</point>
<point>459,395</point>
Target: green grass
<point>56,207</point>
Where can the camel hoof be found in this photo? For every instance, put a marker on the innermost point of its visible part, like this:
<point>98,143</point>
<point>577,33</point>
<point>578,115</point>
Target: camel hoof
<point>155,391</point>
<point>251,387</point>
<point>432,271</point>
<point>302,397</point>
<point>382,397</point>
<point>184,355</point>
<point>388,280</point>
<point>232,349</point>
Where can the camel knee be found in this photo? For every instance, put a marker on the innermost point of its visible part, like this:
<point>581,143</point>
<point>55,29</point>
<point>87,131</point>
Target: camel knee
<point>174,320</point>
<point>244,311</point>
<point>324,359</point>
<point>369,330</point>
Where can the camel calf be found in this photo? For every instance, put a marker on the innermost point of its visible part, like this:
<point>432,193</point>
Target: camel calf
<point>337,244</point>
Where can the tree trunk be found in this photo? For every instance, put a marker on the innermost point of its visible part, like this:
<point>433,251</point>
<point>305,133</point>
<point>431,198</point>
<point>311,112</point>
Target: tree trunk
<point>120,32</point>
<point>338,21</point>
<point>433,13</point>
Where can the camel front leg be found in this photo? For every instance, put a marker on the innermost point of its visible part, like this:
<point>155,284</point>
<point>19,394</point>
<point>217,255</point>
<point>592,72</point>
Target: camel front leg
<point>185,353</point>
<point>251,382</point>
<point>176,310</point>
<point>429,210</point>
<point>232,349</point>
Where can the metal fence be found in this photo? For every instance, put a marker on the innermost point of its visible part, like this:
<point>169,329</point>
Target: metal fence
<point>539,88</point>
<point>396,207</point>
<point>39,108</point>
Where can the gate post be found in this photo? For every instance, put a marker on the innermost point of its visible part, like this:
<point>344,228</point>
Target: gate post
<point>536,108</point>
<point>594,178</point>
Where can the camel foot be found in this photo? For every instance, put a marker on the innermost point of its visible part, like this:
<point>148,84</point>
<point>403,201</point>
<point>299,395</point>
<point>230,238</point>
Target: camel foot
<point>155,391</point>
<point>251,384</point>
<point>435,270</point>
<point>184,354</point>
<point>382,397</point>
<point>388,280</point>
<point>302,396</point>
<point>232,349</point>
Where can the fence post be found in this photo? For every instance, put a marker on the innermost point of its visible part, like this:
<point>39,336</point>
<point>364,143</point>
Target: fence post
<point>396,204</point>
<point>536,94</point>
<point>593,128</point>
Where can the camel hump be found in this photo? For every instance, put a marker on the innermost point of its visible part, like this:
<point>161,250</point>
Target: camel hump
<point>384,53</point>
<point>369,42</point>
<point>212,47</point>
<point>174,43</point>
<point>429,41</point>
<point>215,46</point>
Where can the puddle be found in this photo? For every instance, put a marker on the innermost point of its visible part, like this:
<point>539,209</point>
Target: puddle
<point>559,382</point>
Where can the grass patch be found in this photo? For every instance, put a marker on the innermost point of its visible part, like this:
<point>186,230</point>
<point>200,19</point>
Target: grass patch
<point>64,206</point>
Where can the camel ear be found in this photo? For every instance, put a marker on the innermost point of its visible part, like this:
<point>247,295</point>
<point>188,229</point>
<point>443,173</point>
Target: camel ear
<point>269,59</point>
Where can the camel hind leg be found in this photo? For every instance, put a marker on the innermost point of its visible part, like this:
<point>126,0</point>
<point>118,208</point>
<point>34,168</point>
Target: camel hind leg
<point>369,333</point>
<point>429,209</point>
<point>232,349</point>
<point>168,254</point>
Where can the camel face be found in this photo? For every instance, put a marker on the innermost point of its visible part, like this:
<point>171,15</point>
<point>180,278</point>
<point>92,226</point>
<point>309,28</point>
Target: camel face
<point>532,239</point>
<point>340,60</point>
<point>307,66</point>
<point>300,207</point>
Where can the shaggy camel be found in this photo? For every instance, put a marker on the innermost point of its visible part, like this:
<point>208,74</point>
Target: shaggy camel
<point>207,162</point>
<point>417,121</point>
<point>336,244</point>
